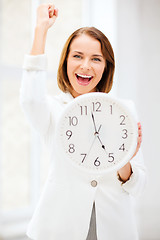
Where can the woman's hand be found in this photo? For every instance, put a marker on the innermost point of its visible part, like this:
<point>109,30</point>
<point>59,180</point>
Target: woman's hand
<point>139,140</point>
<point>125,172</point>
<point>46,16</point>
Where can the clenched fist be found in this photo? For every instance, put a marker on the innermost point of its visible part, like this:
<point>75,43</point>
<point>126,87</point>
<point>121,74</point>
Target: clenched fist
<point>46,15</point>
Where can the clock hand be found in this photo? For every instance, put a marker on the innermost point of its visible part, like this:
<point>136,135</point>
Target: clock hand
<point>94,123</point>
<point>101,142</point>
<point>97,132</point>
<point>93,141</point>
<point>99,128</point>
<point>91,146</point>
<point>97,135</point>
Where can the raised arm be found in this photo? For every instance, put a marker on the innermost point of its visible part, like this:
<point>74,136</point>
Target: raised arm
<point>46,16</point>
<point>33,95</point>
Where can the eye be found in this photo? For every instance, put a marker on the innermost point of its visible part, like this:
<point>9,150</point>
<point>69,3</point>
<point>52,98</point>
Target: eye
<point>97,59</point>
<point>77,56</point>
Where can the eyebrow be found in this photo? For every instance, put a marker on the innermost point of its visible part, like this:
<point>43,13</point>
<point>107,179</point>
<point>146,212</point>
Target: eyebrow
<point>94,55</point>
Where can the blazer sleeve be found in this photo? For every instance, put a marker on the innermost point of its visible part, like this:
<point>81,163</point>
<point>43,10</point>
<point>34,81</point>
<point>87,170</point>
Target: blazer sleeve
<point>136,184</point>
<point>33,94</point>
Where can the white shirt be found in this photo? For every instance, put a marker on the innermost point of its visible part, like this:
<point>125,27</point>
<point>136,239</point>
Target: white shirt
<point>65,206</point>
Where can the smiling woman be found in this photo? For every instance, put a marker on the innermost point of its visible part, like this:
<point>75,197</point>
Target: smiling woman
<point>84,70</point>
<point>87,52</point>
<point>86,65</point>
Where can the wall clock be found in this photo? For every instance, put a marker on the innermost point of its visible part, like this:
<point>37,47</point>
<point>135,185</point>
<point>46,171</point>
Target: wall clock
<point>97,133</point>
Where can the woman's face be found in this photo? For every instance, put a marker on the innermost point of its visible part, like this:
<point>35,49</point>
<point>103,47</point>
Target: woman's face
<point>85,64</point>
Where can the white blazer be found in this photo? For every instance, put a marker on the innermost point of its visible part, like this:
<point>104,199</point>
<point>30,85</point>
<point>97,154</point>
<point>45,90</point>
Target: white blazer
<point>65,206</point>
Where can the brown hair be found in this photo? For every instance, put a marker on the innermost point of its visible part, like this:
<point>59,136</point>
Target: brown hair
<point>106,82</point>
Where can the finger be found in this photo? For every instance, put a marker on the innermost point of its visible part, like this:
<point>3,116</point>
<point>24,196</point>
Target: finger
<point>50,14</point>
<point>139,132</point>
<point>140,139</point>
<point>139,125</point>
<point>51,8</point>
<point>56,12</point>
<point>139,142</point>
<point>139,129</point>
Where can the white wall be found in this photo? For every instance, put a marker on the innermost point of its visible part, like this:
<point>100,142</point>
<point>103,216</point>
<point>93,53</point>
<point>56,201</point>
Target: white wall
<point>133,27</point>
<point>138,44</point>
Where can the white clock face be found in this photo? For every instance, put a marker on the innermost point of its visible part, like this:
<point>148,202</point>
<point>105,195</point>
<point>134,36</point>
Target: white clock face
<point>97,133</point>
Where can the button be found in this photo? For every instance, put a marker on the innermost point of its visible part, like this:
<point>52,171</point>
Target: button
<point>94,183</point>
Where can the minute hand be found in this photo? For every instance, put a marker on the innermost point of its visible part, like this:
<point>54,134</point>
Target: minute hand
<point>96,132</point>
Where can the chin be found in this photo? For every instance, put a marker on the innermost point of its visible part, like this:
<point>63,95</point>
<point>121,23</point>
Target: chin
<point>79,90</point>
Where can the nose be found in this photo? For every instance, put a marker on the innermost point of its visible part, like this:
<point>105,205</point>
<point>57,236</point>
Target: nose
<point>85,65</point>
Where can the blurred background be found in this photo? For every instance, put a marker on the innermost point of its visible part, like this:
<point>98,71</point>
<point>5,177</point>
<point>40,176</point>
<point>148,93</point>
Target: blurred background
<point>133,27</point>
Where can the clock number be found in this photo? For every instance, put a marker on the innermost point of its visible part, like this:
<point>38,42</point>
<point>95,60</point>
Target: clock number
<point>84,156</point>
<point>122,147</point>
<point>111,108</point>
<point>83,110</point>
<point>97,162</point>
<point>123,119</point>
<point>69,134</point>
<point>96,106</point>
<point>111,157</point>
<point>125,133</point>
<point>73,121</point>
<point>71,148</point>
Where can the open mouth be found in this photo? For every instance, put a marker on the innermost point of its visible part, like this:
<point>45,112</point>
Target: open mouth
<point>83,79</point>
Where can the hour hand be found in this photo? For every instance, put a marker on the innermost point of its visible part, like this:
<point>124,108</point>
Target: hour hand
<point>97,135</point>
<point>101,142</point>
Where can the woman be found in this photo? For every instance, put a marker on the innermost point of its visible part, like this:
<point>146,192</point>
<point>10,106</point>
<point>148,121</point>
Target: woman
<point>74,205</point>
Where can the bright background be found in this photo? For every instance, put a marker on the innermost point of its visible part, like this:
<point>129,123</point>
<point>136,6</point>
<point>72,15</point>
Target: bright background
<point>133,27</point>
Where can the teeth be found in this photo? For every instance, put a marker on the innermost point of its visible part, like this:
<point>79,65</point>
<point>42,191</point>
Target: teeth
<point>83,76</point>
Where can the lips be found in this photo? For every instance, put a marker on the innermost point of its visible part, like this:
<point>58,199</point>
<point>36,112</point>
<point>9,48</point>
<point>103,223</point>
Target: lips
<point>83,79</point>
